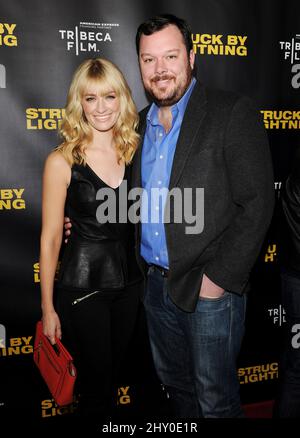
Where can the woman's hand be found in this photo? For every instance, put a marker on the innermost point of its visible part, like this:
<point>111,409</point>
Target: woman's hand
<point>51,326</point>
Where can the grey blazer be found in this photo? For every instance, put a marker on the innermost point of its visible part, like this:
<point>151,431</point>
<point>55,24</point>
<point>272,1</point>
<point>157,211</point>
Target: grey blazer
<point>223,148</point>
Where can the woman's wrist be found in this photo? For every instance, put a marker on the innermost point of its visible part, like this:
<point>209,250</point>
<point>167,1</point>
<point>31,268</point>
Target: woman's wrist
<point>47,308</point>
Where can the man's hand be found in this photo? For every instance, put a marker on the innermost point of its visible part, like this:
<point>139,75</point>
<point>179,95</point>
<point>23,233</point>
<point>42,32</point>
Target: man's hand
<point>209,289</point>
<point>67,227</point>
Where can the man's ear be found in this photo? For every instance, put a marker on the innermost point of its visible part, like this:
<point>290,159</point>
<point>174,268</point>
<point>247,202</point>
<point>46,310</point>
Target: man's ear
<point>192,58</point>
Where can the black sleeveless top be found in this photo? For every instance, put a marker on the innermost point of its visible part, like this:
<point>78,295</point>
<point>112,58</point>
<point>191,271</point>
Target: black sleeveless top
<point>98,255</point>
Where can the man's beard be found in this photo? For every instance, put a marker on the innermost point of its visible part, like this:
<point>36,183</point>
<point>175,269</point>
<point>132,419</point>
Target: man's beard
<point>176,94</point>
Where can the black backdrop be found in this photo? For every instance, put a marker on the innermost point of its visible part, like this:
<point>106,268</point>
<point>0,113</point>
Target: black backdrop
<point>248,46</point>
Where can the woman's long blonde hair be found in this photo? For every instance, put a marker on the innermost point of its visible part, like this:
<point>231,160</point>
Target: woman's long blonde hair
<point>74,128</point>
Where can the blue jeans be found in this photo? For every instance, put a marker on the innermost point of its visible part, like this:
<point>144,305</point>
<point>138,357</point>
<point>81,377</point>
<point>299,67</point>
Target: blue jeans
<point>288,402</point>
<point>195,353</point>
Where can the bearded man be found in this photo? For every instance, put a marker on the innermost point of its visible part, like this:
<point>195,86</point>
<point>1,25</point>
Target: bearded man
<point>196,279</point>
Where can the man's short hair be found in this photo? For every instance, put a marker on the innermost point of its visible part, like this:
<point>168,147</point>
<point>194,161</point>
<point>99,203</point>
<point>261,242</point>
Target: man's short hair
<point>158,23</point>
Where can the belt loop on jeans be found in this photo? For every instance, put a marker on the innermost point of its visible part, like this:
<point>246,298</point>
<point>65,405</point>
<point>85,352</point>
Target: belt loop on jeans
<point>164,272</point>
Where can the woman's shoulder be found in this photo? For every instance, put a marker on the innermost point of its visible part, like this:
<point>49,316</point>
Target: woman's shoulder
<point>56,160</point>
<point>57,168</point>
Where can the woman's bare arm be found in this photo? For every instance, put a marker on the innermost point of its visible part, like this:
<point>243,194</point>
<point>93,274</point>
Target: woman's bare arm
<point>56,178</point>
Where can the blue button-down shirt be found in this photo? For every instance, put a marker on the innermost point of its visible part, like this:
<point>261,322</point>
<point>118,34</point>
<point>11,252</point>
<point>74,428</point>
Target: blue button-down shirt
<point>157,159</point>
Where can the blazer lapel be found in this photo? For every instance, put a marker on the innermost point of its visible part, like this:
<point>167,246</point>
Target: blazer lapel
<point>193,116</point>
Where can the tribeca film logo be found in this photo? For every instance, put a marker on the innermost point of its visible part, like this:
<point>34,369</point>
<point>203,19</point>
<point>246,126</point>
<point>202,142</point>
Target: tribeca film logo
<point>87,37</point>
<point>277,314</point>
<point>2,76</point>
<point>277,186</point>
<point>291,50</point>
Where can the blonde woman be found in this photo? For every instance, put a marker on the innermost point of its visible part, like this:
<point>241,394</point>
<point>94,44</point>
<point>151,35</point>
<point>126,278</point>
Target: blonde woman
<point>97,292</point>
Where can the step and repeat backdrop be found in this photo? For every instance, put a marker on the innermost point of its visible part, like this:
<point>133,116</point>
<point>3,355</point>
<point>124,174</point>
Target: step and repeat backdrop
<point>248,46</point>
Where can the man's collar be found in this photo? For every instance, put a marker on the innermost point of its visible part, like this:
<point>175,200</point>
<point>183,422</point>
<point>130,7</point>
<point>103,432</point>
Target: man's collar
<point>179,106</point>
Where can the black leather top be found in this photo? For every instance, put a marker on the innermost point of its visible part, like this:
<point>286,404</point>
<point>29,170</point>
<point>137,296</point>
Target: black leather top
<point>98,255</point>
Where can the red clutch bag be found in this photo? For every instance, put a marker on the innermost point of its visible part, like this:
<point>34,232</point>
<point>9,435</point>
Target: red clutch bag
<point>56,367</point>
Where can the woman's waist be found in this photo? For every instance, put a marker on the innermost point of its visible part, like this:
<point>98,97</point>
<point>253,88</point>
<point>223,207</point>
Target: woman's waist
<point>87,247</point>
<point>92,266</point>
<point>100,232</point>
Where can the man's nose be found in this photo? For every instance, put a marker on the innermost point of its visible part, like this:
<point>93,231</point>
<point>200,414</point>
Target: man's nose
<point>160,66</point>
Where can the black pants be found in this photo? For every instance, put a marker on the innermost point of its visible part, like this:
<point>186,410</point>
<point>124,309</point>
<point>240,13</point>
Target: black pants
<point>97,331</point>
